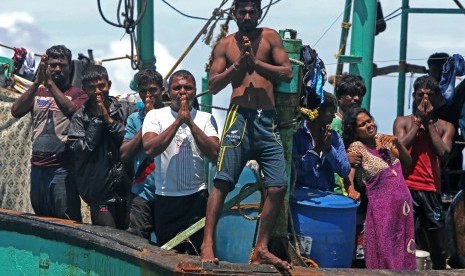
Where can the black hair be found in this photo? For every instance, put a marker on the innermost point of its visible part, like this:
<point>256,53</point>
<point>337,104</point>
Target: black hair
<point>329,101</point>
<point>349,84</point>
<point>181,74</point>
<point>258,3</point>
<point>93,72</point>
<point>425,81</point>
<point>437,59</point>
<point>59,51</point>
<point>349,124</point>
<point>144,77</point>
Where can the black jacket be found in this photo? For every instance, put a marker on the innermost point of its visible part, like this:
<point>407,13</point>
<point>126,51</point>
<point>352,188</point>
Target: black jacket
<point>96,148</point>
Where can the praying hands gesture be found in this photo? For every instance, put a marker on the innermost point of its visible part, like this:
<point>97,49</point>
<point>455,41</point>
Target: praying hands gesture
<point>424,110</point>
<point>43,72</point>
<point>149,103</point>
<point>248,53</point>
<point>184,116</point>
<point>102,111</point>
<point>323,139</point>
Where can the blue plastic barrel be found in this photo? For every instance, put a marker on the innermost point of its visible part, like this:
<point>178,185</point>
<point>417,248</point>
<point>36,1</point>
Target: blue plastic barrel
<point>234,233</point>
<point>325,225</point>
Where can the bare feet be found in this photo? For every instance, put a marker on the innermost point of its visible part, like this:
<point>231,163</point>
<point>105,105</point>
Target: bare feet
<point>264,256</point>
<point>207,255</point>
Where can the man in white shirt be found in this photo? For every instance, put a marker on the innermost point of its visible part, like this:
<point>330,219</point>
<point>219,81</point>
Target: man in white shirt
<point>180,138</point>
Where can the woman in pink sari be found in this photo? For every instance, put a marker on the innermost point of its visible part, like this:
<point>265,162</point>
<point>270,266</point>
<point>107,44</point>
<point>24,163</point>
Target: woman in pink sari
<point>389,231</point>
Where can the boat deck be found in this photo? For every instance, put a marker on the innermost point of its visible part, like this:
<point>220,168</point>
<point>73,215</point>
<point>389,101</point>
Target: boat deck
<point>133,251</point>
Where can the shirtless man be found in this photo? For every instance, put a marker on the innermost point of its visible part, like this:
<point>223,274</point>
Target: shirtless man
<point>429,140</point>
<point>251,59</point>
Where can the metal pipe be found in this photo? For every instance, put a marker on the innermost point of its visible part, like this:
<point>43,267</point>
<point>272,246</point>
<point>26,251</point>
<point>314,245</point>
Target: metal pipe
<point>402,58</point>
<point>433,10</point>
<point>363,42</point>
<point>146,36</point>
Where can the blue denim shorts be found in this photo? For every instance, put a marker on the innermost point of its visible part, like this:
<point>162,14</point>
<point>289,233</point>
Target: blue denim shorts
<point>251,134</point>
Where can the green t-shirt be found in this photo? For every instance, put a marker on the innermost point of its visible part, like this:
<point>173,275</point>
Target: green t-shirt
<point>336,125</point>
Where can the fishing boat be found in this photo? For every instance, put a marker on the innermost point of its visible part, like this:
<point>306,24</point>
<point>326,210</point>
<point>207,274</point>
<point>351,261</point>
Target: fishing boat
<point>31,244</point>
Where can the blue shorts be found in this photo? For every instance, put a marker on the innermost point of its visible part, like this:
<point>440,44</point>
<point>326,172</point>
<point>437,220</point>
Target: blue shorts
<point>251,134</point>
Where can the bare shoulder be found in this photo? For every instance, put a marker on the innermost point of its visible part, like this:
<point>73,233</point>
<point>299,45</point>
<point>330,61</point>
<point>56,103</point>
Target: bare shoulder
<point>224,43</point>
<point>271,35</point>
<point>401,120</point>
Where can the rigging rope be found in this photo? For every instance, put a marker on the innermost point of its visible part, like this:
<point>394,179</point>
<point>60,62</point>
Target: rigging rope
<point>182,13</point>
<point>129,24</point>
<point>216,13</point>
<point>266,12</point>
<point>332,24</point>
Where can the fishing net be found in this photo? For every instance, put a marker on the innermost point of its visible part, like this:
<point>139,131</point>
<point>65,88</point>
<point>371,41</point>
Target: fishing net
<point>15,153</point>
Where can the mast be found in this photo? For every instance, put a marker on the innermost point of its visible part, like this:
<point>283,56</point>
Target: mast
<point>146,36</point>
<point>363,42</point>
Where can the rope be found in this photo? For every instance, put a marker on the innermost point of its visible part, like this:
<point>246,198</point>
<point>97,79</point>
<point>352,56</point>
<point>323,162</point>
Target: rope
<point>129,24</point>
<point>296,61</point>
<point>224,31</point>
<point>329,28</point>
<point>208,38</point>
<point>309,262</point>
<point>266,12</point>
<point>103,60</point>
<point>294,235</point>
<point>182,13</point>
<point>215,107</point>
<point>250,205</point>
<point>216,13</point>
<point>14,48</point>
<point>410,91</point>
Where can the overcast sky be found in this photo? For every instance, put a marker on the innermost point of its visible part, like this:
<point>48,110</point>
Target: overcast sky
<point>36,25</point>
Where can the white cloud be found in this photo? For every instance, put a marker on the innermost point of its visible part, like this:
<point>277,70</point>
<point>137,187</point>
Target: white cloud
<point>10,20</point>
<point>18,29</point>
<point>121,72</point>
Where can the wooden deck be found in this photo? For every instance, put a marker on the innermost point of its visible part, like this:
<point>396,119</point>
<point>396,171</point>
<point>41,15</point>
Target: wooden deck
<point>132,251</point>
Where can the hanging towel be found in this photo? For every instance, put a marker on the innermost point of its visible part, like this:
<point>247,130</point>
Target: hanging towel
<point>454,66</point>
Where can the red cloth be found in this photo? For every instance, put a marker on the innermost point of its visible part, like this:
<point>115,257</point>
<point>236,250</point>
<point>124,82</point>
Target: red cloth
<point>147,171</point>
<point>425,172</point>
<point>18,58</point>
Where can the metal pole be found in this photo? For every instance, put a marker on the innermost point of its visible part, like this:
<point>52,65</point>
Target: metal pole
<point>145,36</point>
<point>402,58</point>
<point>344,34</point>
<point>206,99</point>
<point>363,42</point>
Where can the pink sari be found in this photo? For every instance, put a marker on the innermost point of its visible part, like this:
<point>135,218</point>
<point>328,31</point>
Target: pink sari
<point>389,228</point>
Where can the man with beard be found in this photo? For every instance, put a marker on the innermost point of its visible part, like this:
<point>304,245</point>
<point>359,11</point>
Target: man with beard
<point>95,135</point>
<point>251,59</point>
<point>52,101</point>
<point>429,141</point>
<point>150,86</point>
<point>180,137</point>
